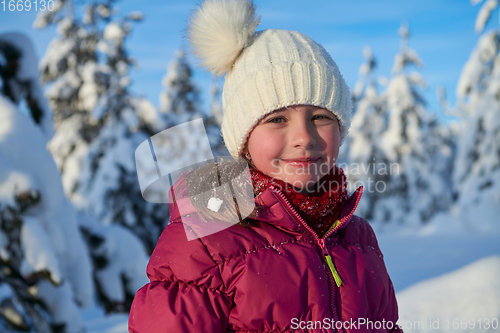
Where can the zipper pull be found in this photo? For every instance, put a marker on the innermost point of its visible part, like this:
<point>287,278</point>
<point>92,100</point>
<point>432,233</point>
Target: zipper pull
<point>329,261</point>
<point>335,274</point>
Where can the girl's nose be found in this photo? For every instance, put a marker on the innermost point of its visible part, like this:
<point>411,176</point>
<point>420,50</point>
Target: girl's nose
<point>302,134</point>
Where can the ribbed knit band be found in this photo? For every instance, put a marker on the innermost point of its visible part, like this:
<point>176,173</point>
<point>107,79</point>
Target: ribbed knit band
<point>280,68</point>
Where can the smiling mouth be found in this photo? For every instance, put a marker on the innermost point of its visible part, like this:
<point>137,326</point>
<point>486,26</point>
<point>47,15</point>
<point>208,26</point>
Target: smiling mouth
<point>302,161</point>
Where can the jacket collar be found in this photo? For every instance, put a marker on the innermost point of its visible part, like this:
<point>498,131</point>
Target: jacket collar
<point>275,209</point>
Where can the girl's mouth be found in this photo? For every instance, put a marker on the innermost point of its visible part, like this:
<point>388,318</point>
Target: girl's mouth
<point>302,161</point>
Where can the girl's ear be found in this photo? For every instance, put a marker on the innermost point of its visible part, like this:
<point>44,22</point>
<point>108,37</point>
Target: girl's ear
<point>244,151</point>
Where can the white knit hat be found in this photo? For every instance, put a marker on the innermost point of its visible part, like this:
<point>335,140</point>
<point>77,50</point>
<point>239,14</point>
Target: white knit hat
<point>265,70</point>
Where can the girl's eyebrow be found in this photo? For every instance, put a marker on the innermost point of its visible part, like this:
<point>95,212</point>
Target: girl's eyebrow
<point>286,109</point>
<point>272,113</point>
<point>267,116</point>
<point>277,111</point>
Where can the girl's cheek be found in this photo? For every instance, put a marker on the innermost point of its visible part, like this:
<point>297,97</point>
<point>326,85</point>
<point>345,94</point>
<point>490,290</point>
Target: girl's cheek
<point>271,141</point>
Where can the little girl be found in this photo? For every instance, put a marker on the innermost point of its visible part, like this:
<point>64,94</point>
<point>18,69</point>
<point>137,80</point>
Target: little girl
<point>301,261</point>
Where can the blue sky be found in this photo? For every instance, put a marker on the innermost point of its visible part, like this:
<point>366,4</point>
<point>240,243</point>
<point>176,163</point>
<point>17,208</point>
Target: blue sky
<point>442,33</point>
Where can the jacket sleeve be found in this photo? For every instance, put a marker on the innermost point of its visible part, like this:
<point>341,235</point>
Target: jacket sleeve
<point>185,292</point>
<point>371,293</point>
<point>388,309</point>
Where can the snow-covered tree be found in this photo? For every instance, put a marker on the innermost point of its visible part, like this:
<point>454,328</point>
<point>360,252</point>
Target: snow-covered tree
<point>365,156</point>
<point>416,189</point>
<point>216,106</point>
<point>45,269</point>
<point>213,122</point>
<point>46,273</point>
<point>119,262</point>
<point>477,172</point>
<point>19,77</point>
<point>367,78</point>
<point>181,97</point>
<point>181,101</point>
<point>98,126</point>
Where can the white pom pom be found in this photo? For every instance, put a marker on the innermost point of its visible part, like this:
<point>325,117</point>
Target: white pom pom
<point>219,31</point>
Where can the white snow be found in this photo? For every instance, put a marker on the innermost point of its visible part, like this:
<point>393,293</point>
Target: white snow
<point>484,14</point>
<point>28,71</point>
<point>49,237</point>
<point>113,31</point>
<point>476,174</point>
<point>38,252</point>
<point>97,321</point>
<point>57,50</point>
<point>4,253</point>
<point>89,90</point>
<point>12,182</point>
<point>474,71</point>
<point>393,128</point>
<point>126,257</point>
<point>445,270</point>
<point>104,10</point>
<point>181,96</point>
<point>459,301</point>
<point>60,301</point>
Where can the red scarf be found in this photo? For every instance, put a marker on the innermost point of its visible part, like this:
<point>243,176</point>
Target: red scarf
<point>319,209</point>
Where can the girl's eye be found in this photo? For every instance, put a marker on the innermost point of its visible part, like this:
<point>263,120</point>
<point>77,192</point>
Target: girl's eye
<point>276,120</point>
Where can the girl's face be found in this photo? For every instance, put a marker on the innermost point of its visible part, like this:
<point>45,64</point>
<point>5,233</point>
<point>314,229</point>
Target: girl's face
<point>298,145</point>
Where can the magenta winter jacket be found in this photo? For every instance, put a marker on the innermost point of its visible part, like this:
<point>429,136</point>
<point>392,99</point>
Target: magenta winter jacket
<point>274,276</point>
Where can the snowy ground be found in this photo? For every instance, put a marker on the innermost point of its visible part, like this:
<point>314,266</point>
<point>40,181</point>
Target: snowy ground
<point>465,300</point>
<point>97,322</point>
<point>446,275</point>
<point>414,258</point>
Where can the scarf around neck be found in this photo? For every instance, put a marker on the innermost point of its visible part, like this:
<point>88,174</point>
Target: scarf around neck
<point>320,208</point>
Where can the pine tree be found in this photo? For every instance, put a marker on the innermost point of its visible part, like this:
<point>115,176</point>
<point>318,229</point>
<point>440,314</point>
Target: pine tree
<point>99,124</point>
<point>45,269</point>
<point>365,156</point>
<point>20,79</point>
<point>477,172</point>
<point>213,123</point>
<point>416,189</point>
<point>181,96</point>
<point>181,100</point>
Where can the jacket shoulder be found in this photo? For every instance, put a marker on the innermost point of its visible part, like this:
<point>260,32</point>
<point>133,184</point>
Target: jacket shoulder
<point>175,258</point>
<point>185,292</point>
<point>359,231</point>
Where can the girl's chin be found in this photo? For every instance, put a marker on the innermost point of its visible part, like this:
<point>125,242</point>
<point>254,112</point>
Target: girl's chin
<point>304,184</point>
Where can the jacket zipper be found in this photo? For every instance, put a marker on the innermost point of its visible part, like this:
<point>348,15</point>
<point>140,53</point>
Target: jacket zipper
<point>334,277</point>
<point>336,225</point>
